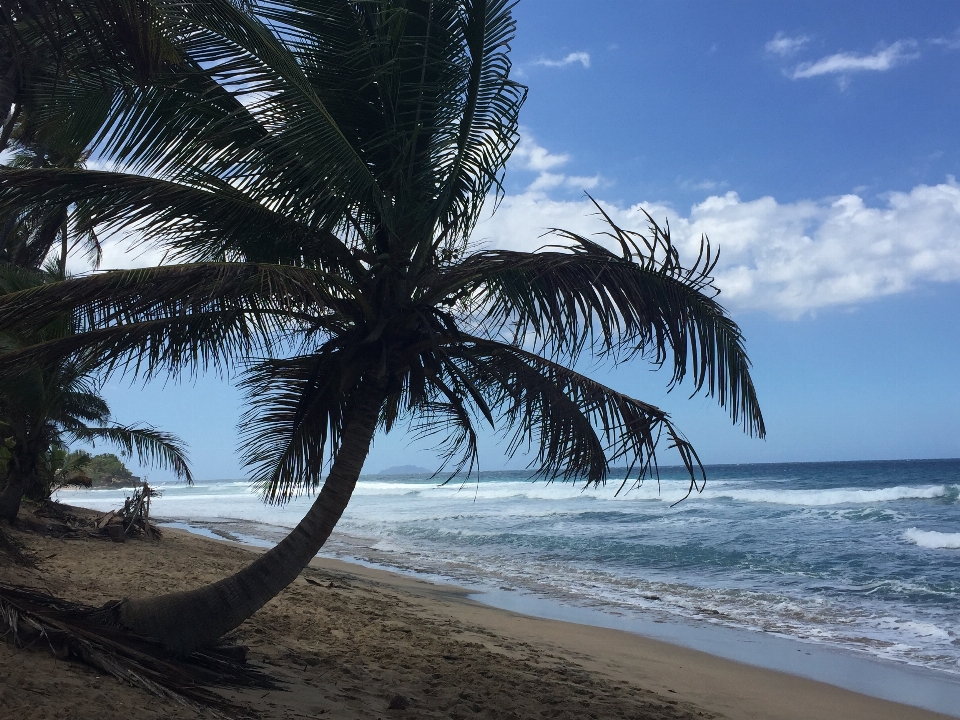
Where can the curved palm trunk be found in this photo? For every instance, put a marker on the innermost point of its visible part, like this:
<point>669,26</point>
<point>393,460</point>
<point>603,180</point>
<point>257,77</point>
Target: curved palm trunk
<point>185,621</point>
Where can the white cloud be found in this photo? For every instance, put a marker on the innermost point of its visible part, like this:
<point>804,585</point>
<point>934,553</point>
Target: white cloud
<point>885,58</point>
<point>701,185</point>
<point>789,259</point>
<point>583,182</point>
<point>546,181</point>
<point>536,157</point>
<point>575,57</point>
<point>783,46</point>
<point>950,43</point>
<point>530,155</point>
<point>119,253</point>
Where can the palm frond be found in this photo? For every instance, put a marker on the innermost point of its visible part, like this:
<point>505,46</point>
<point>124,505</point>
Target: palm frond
<point>84,405</point>
<point>448,422</point>
<point>487,104</point>
<point>182,316</point>
<point>249,107</point>
<point>150,445</point>
<point>55,46</point>
<point>33,617</point>
<point>209,220</point>
<point>642,301</point>
<point>577,428</point>
<point>295,416</point>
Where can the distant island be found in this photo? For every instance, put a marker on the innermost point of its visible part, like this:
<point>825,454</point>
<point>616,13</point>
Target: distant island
<point>405,470</point>
<point>107,470</point>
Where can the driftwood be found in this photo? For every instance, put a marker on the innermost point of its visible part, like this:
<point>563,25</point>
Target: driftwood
<point>133,518</point>
<point>32,618</point>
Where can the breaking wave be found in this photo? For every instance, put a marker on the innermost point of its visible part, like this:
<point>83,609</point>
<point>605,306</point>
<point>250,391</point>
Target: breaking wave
<point>833,496</point>
<point>933,539</point>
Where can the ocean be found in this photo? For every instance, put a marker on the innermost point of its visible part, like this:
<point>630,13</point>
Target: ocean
<point>862,557</point>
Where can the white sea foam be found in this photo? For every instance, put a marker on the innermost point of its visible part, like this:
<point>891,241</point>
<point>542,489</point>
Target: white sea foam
<point>667,490</point>
<point>831,496</point>
<point>527,489</point>
<point>933,539</point>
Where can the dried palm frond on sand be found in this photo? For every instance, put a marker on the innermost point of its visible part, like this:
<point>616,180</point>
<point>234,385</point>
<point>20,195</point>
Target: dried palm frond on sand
<point>33,618</point>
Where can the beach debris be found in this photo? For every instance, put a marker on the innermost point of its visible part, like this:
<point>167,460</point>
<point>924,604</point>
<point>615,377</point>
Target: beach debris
<point>112,524</point>
<point>398,702</point>
<point>50,519</point>
<point>133,519</point>
<point>33,618</point>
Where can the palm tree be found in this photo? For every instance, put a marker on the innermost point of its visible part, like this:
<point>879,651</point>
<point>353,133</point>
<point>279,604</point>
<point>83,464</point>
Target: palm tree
<point>48,407</point>
<point>29,233</point>
<point>318,168</point>
<point>42,412</point>
<point>66,468</point>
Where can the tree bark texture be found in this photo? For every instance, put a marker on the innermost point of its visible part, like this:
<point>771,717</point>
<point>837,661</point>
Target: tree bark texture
<point>21,473</point>
<point>186,621</point>
<point>10,498</point>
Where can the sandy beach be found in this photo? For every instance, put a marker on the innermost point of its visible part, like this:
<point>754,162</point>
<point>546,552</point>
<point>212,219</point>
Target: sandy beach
<point>345,639</point>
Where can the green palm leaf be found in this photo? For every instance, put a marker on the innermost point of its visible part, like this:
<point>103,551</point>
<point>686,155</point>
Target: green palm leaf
<point>208,221</point>
<point>577,427</point>
<point>148,444</point>
<point>640,302</point>
<point>173,318</point>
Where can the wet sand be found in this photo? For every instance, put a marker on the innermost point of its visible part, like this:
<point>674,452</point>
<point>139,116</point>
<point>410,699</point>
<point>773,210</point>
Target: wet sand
<point>346,639</point>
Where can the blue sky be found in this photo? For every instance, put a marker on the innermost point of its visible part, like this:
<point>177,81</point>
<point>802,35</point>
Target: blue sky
<point>815,143</point>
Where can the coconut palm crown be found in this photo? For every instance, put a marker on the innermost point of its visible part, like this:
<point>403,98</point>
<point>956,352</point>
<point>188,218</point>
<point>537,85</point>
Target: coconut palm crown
<point>316,170</point>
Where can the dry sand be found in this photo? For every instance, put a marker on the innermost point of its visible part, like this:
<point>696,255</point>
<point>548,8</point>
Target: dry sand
<point>345,639</point>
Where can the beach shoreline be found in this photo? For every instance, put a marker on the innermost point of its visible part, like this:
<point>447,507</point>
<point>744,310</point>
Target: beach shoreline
<point>827,555</point>
<point>345,638</point>
<point>840,667</point>
<point>837,666</point>
<point>733,688</point>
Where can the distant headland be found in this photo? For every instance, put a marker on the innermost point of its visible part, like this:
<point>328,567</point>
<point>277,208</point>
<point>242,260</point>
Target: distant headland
<point>405,470</point>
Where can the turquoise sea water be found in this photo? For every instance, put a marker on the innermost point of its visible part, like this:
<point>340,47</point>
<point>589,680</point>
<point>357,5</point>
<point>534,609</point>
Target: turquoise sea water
<point>863,557</point>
